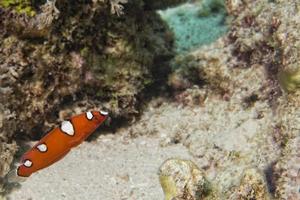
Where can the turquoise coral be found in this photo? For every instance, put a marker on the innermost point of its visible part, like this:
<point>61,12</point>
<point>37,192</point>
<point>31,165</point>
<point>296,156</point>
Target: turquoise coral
<point>191,30</point>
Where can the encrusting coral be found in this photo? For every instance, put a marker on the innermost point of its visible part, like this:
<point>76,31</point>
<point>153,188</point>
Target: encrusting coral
<point>252,186</point>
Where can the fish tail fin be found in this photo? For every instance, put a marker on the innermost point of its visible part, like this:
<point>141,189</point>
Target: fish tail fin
<point>13,176</point>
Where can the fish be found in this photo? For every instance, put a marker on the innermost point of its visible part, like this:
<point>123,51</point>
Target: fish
<point>57,143</point>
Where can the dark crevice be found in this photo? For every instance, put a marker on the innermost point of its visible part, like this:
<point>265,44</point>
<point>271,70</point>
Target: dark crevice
<point>270,179</point>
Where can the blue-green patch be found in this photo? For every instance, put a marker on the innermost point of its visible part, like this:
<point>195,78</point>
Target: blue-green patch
<point>196,24</point>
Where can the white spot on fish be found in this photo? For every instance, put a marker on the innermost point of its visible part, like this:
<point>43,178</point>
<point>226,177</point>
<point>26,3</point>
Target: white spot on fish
<point>27,163</point>
<point>42,147</point>
<point>67,127</point>
<point>89,115</point>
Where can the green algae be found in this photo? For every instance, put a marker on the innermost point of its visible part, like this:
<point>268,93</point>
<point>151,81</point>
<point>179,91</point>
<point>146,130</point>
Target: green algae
<point>21,6</point>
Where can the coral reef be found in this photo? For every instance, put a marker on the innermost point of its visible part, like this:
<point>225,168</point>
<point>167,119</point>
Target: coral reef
<point>256,64</point>
<point>60,57</point>
<point>262,32</point>
<point>236,103</point>
<point>233,114</point>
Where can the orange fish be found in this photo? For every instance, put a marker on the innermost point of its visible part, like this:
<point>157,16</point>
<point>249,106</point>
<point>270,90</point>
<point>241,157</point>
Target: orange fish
<point>58,142</point>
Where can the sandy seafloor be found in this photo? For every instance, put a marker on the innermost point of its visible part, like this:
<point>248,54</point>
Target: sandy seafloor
<point>226,138</point>
<point>124,165</point>
<point>111,167</point>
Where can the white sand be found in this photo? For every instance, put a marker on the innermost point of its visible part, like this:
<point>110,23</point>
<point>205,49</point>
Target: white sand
<point>221,137</point>
<point>113,167</point>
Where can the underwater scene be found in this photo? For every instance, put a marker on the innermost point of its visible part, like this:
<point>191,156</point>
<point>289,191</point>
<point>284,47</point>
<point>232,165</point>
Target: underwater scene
<point>149,100</point>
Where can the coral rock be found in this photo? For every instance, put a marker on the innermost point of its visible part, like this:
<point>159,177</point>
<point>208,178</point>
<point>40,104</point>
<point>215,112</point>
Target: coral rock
<point>182,179</point>
<point>252,186</point>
